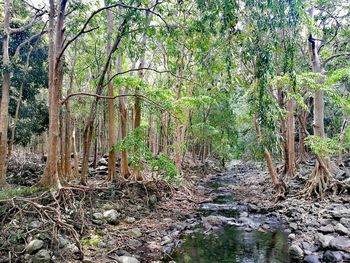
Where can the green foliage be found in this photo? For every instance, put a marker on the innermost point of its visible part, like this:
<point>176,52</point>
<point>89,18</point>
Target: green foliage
<point>322,146</point>
<point>140,155</point>
<point>18,192</point>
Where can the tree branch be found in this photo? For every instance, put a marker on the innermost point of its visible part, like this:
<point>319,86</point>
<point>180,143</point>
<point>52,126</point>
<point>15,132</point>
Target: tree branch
<point>30,23</point>
<point>335,56</point>
<point>27,41</point>
<point>83,30</point>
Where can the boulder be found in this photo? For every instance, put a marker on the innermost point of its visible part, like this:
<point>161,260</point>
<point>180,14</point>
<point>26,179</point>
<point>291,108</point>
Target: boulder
<point>134,232</point>
<point>216,221</point>
<point>130,220</point>
<point>295,251</point>
<point>127,259</point>
<point>332,256</point>
<point>111,216</point>
<point>324,240</point>
<point>34,246</point>
<point>340,243</point>
<point>326,229</point>
<point>340,212</point>
<point>43,256</point>
<point>312,259</point>
<point>341,229</point>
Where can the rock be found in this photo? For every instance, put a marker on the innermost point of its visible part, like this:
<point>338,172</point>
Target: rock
<point>166,240</point>
<point>98,216</point>
<point>326,229</point>
<point>43,256</point>
<point>152,201</point>
<point>293,226</point>
<point>291,236</point>
<point>34,224</point>
<point>340,243</point>
<point>127,259</point>
<point>332,256</point>
<point>134,243</point>
<point>345,222</point>
<point>309,247</point>
<point>107,206</point>
<point>341,229</point>
<point>324,240</point>
<point>212,220</point>
<point>111,216</point>
<point>312,259</point>
<point>103,162</point>
<point>135,232</point>
<point>73,249</point>
<point>340,212</point>
<point>62,242</point>
<point>34,246</point>
<point>295,251</point>
<point>130,220</point>
<point>88,260</point>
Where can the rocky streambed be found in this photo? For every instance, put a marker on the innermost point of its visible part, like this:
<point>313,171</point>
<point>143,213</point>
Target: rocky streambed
<point>244,224</point>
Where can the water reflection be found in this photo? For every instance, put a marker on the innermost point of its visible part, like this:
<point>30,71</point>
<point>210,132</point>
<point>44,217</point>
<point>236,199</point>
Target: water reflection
<point>233,245</point>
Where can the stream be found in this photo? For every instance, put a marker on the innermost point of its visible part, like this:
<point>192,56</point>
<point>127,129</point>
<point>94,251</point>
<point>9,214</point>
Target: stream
<point>246,238</point>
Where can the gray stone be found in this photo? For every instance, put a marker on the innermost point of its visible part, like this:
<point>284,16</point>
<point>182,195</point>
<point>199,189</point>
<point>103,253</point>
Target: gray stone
<point>34,224</point>
<point>135,232</point>
<point>34,246</point>
<point>291,236</point>
<point>43,256</point>
<point>341,229</point>
<point>130,220</point>
<point>152,201</point>
<point>97,216</point>
<point>332,256</point>
<point>345,222</point>
<point>340,243</point>
<point>62,242</point>
<point>295,251</point>
<point>309,247</point>
<point>111,216</point>
<point>102,161</point>
<point>166,240</point>
<point>312,259</point>
<point>324,240</point>
<point>127,259</point>
<point>214,221</point>
<point>107,206</point>
<point>326,229</point>
<point>293,226</point>
<point>340,212</point>
<point>134,243</point>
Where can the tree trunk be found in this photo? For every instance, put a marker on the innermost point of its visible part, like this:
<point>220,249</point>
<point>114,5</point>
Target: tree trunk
<point>302,122</point>
<point>5,94</point>
<point>112,130</point>
<point>50,177</point>
<point>342,140</point>
<point>75,152</point>
<point>290,137</point>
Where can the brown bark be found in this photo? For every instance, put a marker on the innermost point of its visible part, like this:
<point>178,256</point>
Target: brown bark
<point>302,122</point>
<point>88,131</point>
<point>290,125</point>
<point>112,135</point>
<point>50,177</point>
<point>5,94</point>
<point>75,152</point>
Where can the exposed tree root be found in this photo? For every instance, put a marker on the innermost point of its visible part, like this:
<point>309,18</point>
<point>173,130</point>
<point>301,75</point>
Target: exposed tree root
<point>322,180</point>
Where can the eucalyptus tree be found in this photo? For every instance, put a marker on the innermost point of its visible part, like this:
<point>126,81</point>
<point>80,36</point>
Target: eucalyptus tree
<point>322,177</point>
<point>6,76</point>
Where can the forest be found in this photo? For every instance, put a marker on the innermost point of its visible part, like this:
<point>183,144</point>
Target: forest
<point>175,131</point>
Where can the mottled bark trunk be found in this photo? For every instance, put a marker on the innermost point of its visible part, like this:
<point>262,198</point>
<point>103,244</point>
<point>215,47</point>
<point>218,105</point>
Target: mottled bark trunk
<point>50,177</point>
<point>5,94</point>
<point>290,125</point>
<point>112,130</point>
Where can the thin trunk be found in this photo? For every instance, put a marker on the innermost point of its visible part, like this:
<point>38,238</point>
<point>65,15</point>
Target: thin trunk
<point>75,152</point>
<point>302,122</point>
<point>290,125</point>
<point>50,177</point>
<point>112,130</point>
<point>5,94</point>
<point>342,140</point>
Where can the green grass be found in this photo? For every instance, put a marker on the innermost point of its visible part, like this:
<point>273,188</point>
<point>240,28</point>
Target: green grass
<point>18,192</point>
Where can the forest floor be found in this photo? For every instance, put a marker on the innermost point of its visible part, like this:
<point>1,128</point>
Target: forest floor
<point>122,222</point>
<point>145,222</point>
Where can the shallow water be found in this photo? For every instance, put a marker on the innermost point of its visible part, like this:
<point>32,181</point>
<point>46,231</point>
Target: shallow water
<point>233,245</point>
